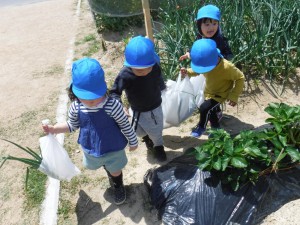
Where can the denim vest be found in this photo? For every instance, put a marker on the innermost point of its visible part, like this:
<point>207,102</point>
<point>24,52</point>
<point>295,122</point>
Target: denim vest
<point>99,133</point>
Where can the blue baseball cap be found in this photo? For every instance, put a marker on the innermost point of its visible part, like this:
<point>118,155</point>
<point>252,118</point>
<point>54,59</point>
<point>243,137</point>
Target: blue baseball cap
<point>204,55</point>
<point>88,80</point>
<point>140,53</point>
<point>209,11</point>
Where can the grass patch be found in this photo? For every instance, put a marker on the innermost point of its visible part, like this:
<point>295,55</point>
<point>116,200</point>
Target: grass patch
<point>65,208</point>
<point>92,49</point>
<point>35,191</point>
<point>93,45</point>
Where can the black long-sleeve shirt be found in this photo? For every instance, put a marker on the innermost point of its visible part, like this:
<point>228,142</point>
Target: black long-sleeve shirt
<point>143,92</point>
<point>222,45</point>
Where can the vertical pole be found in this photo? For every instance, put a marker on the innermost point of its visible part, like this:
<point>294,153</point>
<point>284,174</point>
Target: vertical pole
<point>147,18</point>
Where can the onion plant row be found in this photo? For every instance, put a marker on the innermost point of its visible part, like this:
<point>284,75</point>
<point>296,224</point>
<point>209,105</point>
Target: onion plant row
<point>264,35</point>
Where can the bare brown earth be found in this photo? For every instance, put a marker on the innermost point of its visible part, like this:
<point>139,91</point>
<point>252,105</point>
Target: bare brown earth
<point>36,41</point>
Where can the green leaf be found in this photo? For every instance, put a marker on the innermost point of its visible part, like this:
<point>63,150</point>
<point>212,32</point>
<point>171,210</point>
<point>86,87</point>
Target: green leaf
<point>277,126</point>
<point>201,155</point>
<point>225,160</point>
<point>255,151</point>
<point>238,162</point>
<point>204,163</point>
<point>282,139</point>
<point>293,153</point>
<point>217,163</point>
<point>276,143</point>
<point>238,150</point>
<point>228,147</point>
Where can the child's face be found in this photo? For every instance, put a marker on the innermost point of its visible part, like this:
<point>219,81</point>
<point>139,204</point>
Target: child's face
<point>142,72</point>
<point>92,103</point>
<point>209,28</point>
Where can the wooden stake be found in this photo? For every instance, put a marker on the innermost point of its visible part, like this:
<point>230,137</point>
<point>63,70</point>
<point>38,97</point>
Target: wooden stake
<point>147,18</point>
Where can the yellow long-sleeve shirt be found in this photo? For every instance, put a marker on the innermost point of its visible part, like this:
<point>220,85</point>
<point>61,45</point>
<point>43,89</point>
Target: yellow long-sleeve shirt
<point>224,82</point>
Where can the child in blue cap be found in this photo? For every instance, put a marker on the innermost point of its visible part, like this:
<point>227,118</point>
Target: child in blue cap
<point>104,127</point>
<point>208,18</point>
<point>141,79</point>
<point>224,82</point>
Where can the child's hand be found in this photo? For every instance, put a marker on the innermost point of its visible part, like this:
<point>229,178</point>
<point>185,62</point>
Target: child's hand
<point>185,56</point>
<point>48,129</point>
<point>132,148</point>
<point>231,103</point>
<point>183,71</point>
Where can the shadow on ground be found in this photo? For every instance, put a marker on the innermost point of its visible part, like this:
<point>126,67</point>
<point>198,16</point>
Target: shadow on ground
<point>89,212</point>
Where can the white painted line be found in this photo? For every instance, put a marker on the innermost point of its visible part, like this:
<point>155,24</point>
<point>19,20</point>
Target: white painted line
<point>50,203</point>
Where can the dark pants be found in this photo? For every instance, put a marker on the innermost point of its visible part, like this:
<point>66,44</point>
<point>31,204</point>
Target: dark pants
<point>208,112</point>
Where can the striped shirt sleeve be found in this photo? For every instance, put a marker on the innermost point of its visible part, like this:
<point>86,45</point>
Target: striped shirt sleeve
<point>73,121</point>
<point>115,109</point>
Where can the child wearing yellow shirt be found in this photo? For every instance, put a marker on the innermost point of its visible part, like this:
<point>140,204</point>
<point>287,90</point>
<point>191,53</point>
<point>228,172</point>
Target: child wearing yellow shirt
<point>224,82</point>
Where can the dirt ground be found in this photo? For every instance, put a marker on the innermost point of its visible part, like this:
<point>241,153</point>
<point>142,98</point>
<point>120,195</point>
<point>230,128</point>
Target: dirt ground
<point>37,42</point>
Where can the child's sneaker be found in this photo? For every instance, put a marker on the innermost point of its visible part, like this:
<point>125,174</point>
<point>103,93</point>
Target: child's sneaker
<point>148,142</point>
<point>160,153</point>
<point>197,132</point>
<point>120,195</point>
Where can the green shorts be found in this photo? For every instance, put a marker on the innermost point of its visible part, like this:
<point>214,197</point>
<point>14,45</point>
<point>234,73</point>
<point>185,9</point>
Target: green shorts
<point>113,161</point>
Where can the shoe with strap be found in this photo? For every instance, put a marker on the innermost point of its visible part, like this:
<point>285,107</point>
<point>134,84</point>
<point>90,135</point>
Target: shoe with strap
<point>197,132</point>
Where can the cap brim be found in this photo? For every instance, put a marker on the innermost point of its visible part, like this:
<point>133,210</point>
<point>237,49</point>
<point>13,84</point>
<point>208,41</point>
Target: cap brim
<point>89,95</point>
<point>138,66</point>
<point>208,16</point>
<point>202,69</point>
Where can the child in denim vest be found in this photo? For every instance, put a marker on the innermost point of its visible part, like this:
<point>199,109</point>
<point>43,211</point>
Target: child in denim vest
<point>104,128</point>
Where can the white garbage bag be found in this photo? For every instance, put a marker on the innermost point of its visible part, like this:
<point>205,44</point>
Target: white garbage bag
<point>198,83</point>
<point>56,162</point>
<point>178,101</point>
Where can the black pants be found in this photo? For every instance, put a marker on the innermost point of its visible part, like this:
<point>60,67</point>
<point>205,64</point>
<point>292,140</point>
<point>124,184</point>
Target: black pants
<point>208,112</point>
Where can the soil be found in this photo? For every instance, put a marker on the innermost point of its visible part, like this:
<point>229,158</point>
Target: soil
<point>38,43</point>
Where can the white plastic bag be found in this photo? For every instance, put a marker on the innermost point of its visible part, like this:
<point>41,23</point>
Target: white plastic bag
<point>178,101</point>
<point>56,162</point>
<point>198,83</point>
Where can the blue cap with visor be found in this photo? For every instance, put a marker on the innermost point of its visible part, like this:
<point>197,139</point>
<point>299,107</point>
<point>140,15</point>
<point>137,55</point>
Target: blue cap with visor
<point>204,55</point>
<point>209,11</point>
<point>88,80</point>
<point>140,53</point>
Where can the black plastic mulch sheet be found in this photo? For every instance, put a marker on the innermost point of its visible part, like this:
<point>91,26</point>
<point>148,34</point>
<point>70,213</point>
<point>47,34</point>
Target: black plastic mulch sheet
<point>183,194</point>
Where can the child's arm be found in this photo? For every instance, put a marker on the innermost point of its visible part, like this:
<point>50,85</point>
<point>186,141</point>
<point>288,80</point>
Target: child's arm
<point>118,87</point>
<point>56,129</point>
<point>122,120</point>
<point>239,80</point>
<point>188,72</point>
<point>71,125</point>
<point>225,49</point>
<point>185,56</point>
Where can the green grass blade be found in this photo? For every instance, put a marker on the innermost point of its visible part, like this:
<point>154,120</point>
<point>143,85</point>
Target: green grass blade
<point>29,151</point>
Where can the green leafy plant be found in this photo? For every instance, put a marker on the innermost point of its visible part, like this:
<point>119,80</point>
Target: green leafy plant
<point>251,154</point>
<point>34,162</point>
